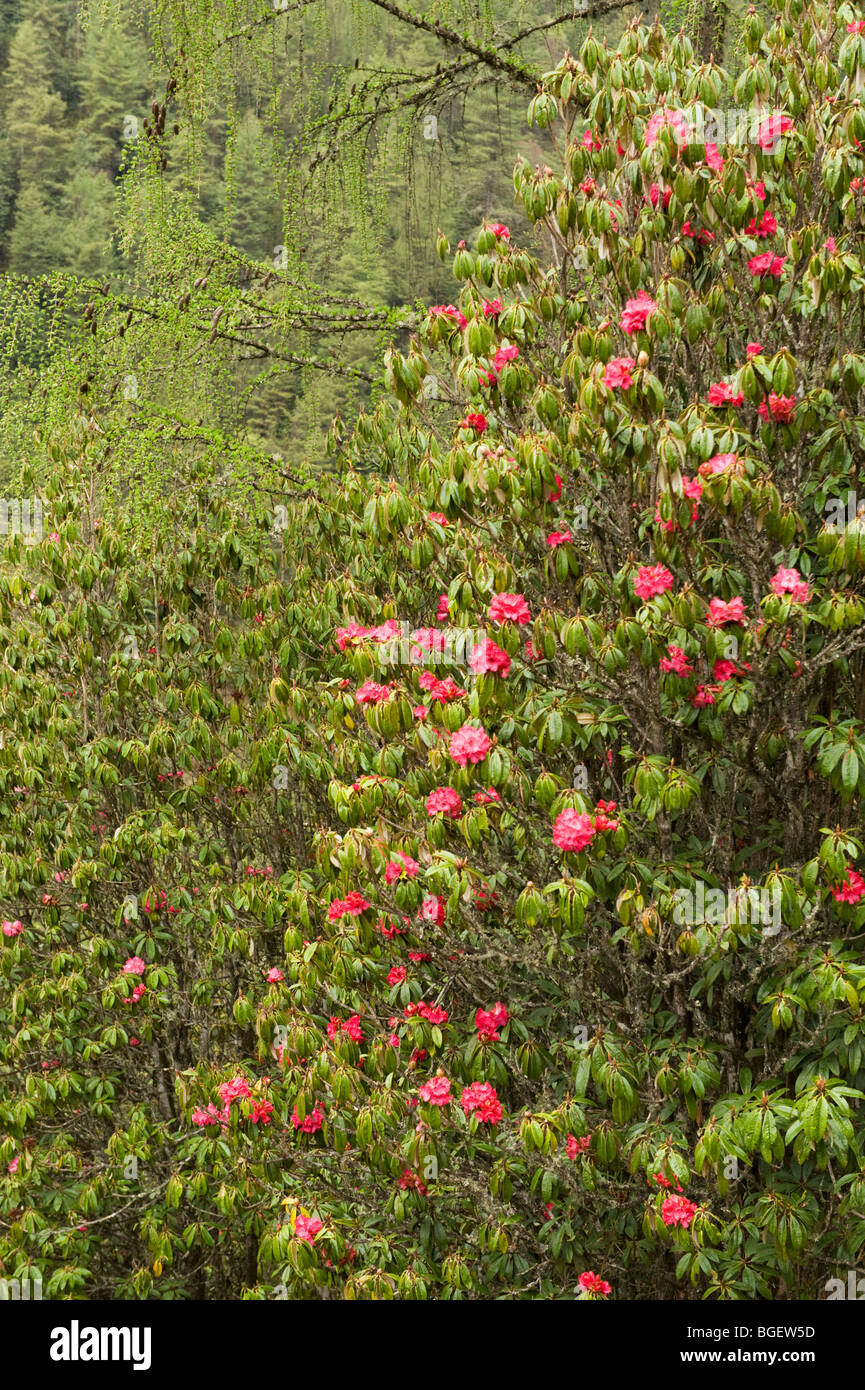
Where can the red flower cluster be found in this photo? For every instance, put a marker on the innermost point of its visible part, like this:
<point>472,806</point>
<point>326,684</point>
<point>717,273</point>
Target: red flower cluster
<point>432,910</point>
<point>311,1123</point>
<point>852,890</point>
<point>678,1211</point>
<point>488,658</point>
<point>444,801</point>
<point>488,1022</point>
<point>440,690</point>
<point>436,1091</point>
<point>509,608</point>
<point>469,745</point>
<point>399,865</point>
<point>352,906</point>
<point>481,1097</point>
<point>351,1026</point>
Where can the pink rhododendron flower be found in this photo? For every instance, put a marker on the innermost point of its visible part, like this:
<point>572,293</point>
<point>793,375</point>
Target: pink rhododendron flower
<point>705,695</point>
<point>481,1097</point>
<point>444,608</point>
<point>492,308</point>
<point>713,158</point>
<point>484,798</point>
<point>352,906</point>
<point>766,227</point>
<point>851,890</point>
<point>655,194</point>
<point>767,264</point>
<point>236,1089</point>
<point>432,909</point>
<point>134,966</point>
<point>719,463</point>
<point>399,865</point>
<point>210,1116</point>
<point>753,350</point>
<point>703,235</point>
<point>678,1211</point>
<point>440,690</point>
<point>573,831</point>
<point>488,658</point>
<point>410,1182</point>
<point>507,353</point>
<point>618,372</point>
<point>509,608</point>
<point>431,1012</point>
<point>371,693</point>
<point>16,928</point>
<point>790,581</point>
<point>781,408</point>
<point>444,801</point>
<point>436,1091</point>
<point>469,745</point>
<point>274,976</point>
<point>390,929</point>
<point>396,975</point>
<point>652,580</point>
<point>772,129</point>
<point>663,117</point>
<point>500,231</point>
<point>311,1123</point>
<point>676,662</point>
<point>449,312</point>
<point>723,671</point>
<point>488,1022</point>
<point>593,1283</point>
<point>555,493</point>
<point>856,26</point>
<point>720,612</point>
<point>722,393</point>
<point>602,821</point>
<point>306,1227</point>
<point>636,313</point>
<point>475,422</point>
<point>558,538</point>
<point>577,1146</point>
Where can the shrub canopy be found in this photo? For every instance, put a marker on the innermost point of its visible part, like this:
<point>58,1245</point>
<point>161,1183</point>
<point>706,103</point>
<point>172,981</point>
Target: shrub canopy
<point>439,878</point>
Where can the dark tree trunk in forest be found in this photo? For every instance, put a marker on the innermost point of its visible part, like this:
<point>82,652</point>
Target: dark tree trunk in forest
<point>712,28</point>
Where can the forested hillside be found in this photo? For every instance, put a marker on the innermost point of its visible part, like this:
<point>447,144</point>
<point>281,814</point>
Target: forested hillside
<point>269,160</point>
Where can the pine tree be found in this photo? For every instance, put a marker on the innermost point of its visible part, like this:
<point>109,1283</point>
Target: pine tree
<point>114,88</point>
<point>34,112</point>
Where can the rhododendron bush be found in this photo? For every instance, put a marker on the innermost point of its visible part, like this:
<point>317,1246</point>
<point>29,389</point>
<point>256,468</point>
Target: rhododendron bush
<point>395,969</point>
